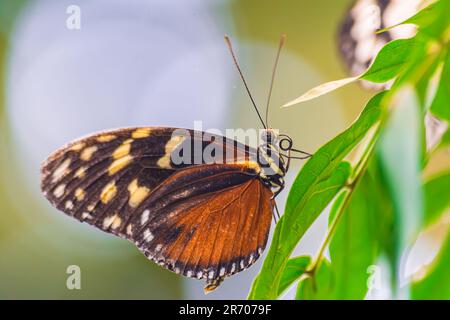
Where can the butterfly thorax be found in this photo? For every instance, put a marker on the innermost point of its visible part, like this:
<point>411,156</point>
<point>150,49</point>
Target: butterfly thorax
<point>271,163</point>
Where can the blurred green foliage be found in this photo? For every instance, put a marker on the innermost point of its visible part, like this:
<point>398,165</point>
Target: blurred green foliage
<point>295,268</point>
<point>380,209</point>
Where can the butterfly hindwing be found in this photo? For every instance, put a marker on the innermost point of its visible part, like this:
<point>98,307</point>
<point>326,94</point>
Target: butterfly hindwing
<point>209,226</point>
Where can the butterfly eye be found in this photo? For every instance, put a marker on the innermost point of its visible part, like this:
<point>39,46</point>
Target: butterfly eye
<point>286,144</point>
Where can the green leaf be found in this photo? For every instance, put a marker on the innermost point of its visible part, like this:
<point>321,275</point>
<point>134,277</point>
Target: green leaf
<point>319,287</point>
<point>294,269</point>
<point>400,154</point>
<point>390,61</point>
<point>315,186</point>
<point>354,246</point>
<point>422,18</point>
<point>320,90</point>
<point>337,204</point>
<point>445,141</point>
<point>437,197</point>
<point>441,103</point>
<point>436,284</point>
<point>319,194</point>
<point>385,208</point>
<point>431,21</point>
<point>436,25</point>
<point>388,64</point>
<point>427,85</point>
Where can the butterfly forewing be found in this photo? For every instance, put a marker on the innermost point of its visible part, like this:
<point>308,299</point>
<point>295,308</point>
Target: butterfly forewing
<point>206,219</point>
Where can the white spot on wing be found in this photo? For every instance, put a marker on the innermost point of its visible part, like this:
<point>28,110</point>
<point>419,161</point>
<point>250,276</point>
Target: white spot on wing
<point>144,216</point>
<point>148,236</point>
<point>86,215</point>
<point>69,205</point>
<point>61,170</point>
<point>130,229</point>
<point>59,191</point>
<point>113,221</point>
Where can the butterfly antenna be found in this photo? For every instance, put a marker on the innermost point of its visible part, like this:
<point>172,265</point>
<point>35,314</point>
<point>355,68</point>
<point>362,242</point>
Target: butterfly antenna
<point>280,46</point>
<point>230,47</point>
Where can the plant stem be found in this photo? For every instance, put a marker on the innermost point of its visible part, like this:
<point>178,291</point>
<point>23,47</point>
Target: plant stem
<point>316,263</point>
<point>360,170</point>
<point>362,164</point>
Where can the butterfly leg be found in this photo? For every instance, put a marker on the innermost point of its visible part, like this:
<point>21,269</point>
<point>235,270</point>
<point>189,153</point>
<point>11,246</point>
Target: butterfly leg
<point>277,211</point>
<point>276,193</point>
<point>275,214</point>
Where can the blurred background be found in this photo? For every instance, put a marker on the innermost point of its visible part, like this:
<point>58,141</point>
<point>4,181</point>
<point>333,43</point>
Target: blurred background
<point>146,62</point>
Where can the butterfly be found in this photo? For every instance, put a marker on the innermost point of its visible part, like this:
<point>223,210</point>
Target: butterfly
<point>359,43</point>
<point>205,218</point>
